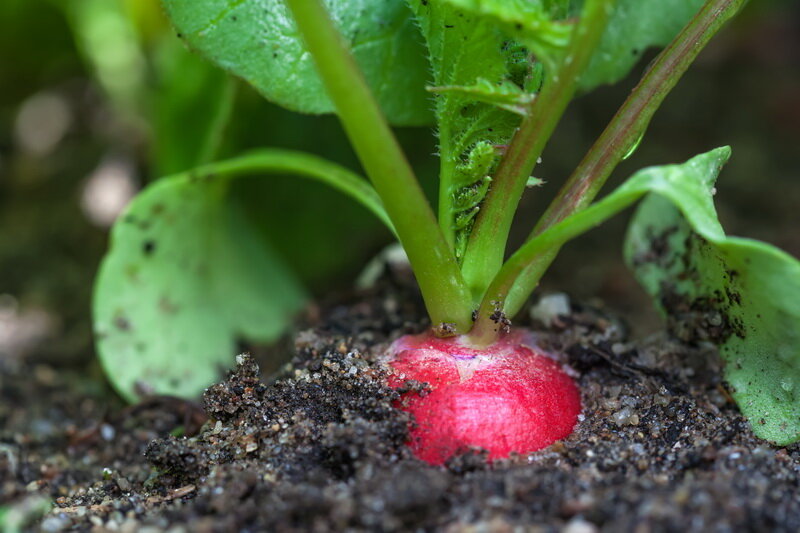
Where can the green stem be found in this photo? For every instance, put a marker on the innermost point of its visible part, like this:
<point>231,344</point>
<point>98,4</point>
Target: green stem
<point>446,296</point>
<point>222,111</point>
<point>485,330</point>
<point>486,248</point>
<point>279,161</point>
<point>447,166</point>
<point>622,134</point>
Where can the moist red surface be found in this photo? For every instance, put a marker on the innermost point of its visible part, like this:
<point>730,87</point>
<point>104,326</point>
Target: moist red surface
<point>508,398</point>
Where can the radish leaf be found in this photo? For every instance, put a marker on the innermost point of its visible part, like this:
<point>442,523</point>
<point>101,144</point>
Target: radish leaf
<point>257,40</point>
<point>489,58</point>
<point>529,23</point>
<point>741,294</point>
<point>635,25</point>
<point>187,275</point>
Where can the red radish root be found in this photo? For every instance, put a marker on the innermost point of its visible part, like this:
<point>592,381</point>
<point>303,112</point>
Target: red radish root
<point>509,397</point>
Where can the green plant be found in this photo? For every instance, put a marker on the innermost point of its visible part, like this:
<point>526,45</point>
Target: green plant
<point>499,75</point>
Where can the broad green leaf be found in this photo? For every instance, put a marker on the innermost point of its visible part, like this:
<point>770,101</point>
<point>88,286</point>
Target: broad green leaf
<point>187,275</point>
<point>258,41</point>
<point>741,294</point>
<point>635,25</point>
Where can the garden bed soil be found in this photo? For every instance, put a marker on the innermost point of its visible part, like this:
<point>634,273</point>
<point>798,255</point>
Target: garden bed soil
<point>320,447</point>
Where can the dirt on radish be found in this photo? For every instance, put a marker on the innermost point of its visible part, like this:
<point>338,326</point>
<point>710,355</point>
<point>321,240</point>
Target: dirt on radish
<point>660,446</point>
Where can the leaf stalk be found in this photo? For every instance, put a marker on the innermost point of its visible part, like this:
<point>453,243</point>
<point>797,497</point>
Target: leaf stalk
<point>487,243</point>
<point>446,296</point>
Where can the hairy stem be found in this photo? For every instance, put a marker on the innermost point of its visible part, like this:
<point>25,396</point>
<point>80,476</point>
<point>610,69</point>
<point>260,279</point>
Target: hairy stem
<point>446,296</point>
<point>622,134</point>
<point>486,248</point>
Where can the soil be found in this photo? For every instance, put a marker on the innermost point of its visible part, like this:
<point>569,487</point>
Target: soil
<point>321,447</point>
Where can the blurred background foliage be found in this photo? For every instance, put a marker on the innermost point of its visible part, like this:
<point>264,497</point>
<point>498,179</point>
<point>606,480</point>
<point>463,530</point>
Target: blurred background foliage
<point>99,97</point>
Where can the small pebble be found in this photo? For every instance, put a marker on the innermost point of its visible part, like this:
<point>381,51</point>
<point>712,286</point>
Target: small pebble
<point>107,432</point>
<point>123,484</point>
<point>579,525</point>
<point>54,523</point>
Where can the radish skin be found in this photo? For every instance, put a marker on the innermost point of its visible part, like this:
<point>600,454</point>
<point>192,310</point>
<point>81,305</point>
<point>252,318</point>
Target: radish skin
<point>510,397</point>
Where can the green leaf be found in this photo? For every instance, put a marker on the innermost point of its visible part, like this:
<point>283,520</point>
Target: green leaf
<point>504,94</point>
<point>533,181</point>
<point>187,275</point>
<point>471,63</point>
<point>257,40</point>
<point>741,294</point>
<point>527,21</point>
<point>635,26</point>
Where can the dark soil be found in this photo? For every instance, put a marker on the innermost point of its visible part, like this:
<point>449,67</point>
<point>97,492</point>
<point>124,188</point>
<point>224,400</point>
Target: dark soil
<point>321,447</point>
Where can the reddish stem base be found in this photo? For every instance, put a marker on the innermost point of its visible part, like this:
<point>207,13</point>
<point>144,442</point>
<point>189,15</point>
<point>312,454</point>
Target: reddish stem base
<point>510,397</point>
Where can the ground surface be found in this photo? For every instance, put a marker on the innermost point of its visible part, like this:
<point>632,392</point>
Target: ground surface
<point>661,447</point>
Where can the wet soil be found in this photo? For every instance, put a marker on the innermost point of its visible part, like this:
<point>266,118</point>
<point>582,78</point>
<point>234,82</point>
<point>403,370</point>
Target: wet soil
<point>320,447</point>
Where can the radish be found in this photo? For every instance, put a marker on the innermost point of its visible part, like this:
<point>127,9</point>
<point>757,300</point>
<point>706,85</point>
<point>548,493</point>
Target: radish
<point>494,110</point>
<point>510,397</point>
